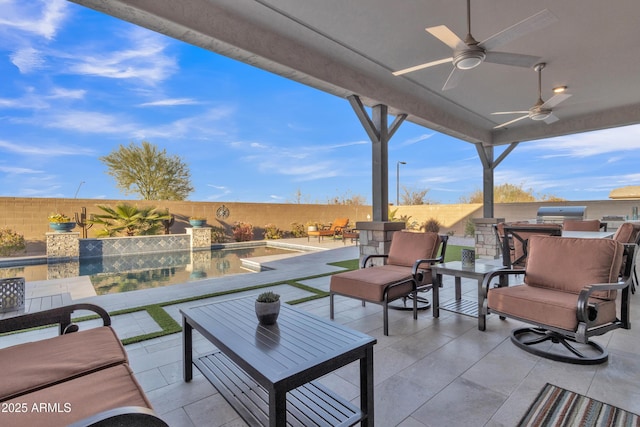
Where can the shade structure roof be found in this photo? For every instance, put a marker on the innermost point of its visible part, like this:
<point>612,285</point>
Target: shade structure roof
<point>352,47</point>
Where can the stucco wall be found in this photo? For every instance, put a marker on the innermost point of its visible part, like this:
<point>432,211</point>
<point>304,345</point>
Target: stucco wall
<point>28,216</point>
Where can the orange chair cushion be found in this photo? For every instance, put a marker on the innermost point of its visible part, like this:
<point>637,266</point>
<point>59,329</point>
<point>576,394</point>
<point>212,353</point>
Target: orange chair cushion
<point>80,398</point>
<point>569,264</point>
<point>627,232</point>
<point>41,363</point>
<point>546,306</point>
<point>407,247</point>
<point>370,283</point>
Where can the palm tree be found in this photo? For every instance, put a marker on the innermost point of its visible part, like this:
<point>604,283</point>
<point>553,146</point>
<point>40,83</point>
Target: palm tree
<point>129,220</point>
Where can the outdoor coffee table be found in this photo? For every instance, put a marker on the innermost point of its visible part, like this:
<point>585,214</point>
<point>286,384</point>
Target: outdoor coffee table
<point>267,373</point>
<point>460,305</point>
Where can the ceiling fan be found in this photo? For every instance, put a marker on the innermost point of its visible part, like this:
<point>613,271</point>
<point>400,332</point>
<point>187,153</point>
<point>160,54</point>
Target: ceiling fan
<point>541,110</point>
<point>469,53</point>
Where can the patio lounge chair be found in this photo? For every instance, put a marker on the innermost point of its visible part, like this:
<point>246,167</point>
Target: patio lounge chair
<point>405,274</point>
<point>332,230</point>
<point>569,295</point>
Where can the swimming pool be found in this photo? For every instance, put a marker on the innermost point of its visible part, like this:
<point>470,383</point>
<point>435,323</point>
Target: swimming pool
<point>116,274</point>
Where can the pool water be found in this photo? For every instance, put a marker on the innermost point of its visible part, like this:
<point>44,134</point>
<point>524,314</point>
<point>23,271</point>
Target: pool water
<point>129,273</point>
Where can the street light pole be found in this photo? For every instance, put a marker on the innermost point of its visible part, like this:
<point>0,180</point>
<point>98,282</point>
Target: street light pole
<point>398,181</point>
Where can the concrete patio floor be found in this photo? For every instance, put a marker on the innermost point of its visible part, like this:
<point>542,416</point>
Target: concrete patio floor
<point>428,372</point>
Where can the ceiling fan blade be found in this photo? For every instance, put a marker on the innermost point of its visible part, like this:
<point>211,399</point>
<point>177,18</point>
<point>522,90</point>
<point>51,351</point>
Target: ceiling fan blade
<point>511,112</point>
<point>446,36</point>
<point>514,59</point>
<point>422,66</point>
<point>510,122</point>
<point>555,100</point>
<point>532,23</point>
<point>454,78</point>
<point>551,119</point>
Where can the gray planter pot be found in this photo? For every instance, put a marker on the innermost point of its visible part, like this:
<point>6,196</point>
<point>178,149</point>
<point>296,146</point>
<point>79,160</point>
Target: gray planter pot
<point>267,312</point>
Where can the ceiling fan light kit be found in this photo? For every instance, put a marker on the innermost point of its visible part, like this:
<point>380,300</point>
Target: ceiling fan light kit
<point>541,111</point>
<point>470,58</point>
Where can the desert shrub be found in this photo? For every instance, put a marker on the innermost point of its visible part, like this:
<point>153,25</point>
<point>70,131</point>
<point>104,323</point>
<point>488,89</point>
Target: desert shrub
<point>242,231</point>
<point>432,225</point>
<point>10,242</point>
<point>469,228</point>
<point>272,232</point>
<point>298,230</point>
<point>218,234</point>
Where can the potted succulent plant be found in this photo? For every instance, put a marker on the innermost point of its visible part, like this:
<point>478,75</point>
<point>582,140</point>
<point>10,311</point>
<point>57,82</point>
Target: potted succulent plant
<point>61,223</point>
<point>268,307</point>
<point>197,221</point>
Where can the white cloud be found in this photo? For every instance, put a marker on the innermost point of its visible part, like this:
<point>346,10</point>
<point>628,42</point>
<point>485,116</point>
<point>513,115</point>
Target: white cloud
<point>42,18</point>
<point>49,150</point>
<point>59,92</point>
<point>88,122</point>
<point>201,126</point>
<point>27,59</point>
<point>15,170</point>
<point>170,102</point>
<point>589,144</point>
<point>143,59</point>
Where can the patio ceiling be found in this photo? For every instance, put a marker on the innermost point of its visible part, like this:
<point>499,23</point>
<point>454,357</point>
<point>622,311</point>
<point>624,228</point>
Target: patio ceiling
<point>352,47</point>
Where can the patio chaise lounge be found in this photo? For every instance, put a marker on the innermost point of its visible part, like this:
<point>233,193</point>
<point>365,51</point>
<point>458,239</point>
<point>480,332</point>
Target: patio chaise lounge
<point>332,230</point>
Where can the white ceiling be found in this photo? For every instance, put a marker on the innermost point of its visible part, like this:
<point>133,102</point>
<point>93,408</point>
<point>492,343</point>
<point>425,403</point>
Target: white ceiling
<point>350,47</point>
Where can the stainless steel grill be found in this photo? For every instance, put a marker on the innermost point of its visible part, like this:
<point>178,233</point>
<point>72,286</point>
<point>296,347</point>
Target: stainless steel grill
<point>557,214</point>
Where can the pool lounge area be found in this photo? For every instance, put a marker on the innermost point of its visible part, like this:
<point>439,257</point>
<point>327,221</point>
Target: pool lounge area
<point>429,372</point>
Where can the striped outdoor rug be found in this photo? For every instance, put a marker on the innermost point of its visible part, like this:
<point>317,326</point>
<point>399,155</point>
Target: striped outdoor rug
<point>558,407</point>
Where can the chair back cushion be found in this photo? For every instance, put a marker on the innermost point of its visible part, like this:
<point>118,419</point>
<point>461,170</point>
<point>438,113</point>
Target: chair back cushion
<point>581,225</point>
<point>407,247</point>
<point>627,232</point>
<point>569,264</point>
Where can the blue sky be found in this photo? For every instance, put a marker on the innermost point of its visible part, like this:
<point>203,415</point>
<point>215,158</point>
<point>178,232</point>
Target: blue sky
<point>76,84</point>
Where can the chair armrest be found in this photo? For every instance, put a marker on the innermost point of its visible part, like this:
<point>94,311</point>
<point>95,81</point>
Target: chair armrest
<point>130,416</point>
<point>364,261</point>
<point>55,316</point>
<point>587,313</point>
<point>502,272</point>
<point>430,261</point>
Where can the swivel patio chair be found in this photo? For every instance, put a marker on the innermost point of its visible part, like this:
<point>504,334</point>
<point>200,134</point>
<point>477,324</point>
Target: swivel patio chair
<point>569,294</point>
<point>405,274</point>
<point>332,230</point>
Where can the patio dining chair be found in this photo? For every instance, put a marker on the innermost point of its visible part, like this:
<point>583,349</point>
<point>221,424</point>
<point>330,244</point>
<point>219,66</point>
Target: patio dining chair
<point>569,294</point>
<point>515,241</point>
<point>629,233</point>
<point>583,225</point>
<point>406,272</point>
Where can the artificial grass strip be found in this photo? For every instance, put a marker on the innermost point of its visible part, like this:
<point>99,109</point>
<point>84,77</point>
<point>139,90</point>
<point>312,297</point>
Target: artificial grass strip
<point>169,326</point>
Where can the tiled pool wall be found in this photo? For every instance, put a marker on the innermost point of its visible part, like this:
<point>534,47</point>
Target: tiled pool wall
<point>136,245</point>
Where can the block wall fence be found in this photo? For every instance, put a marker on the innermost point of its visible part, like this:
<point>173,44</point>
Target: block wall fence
<point>28,216</point>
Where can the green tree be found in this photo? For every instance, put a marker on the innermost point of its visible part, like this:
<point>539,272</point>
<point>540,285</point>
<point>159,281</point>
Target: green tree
<point>509,193</point>
<point>129,220</point>
<point>149,172</point>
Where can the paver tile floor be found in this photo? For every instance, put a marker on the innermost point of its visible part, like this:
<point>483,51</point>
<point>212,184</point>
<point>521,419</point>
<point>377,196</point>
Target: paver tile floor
<point>428,372</point>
